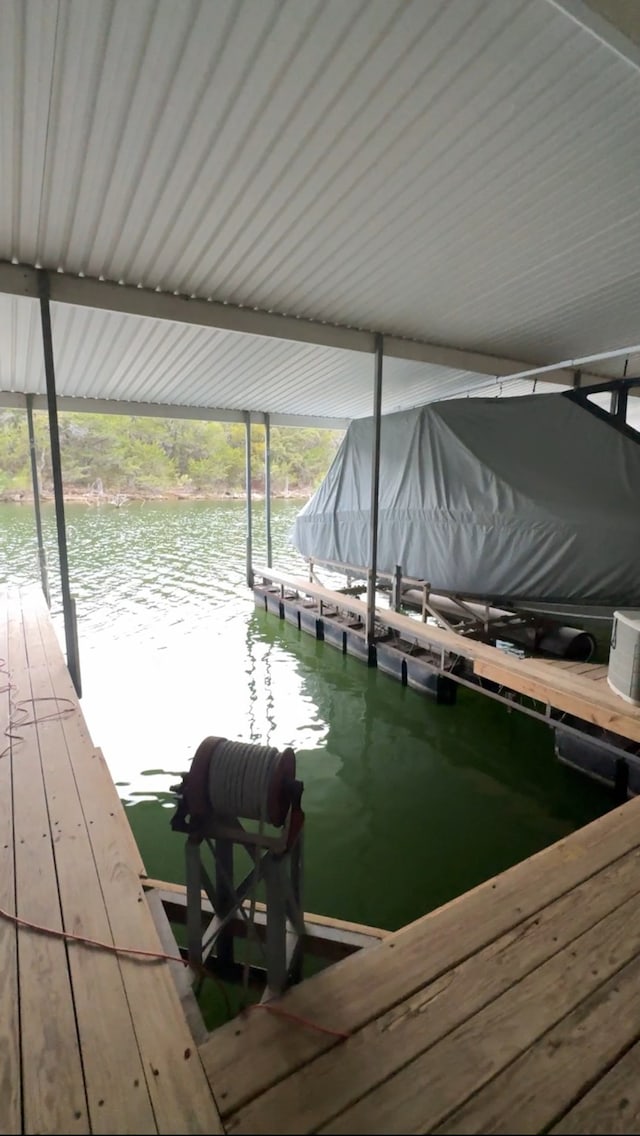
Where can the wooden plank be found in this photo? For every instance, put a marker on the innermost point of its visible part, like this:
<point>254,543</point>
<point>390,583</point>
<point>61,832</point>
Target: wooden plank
<point>584,701</point>
<point>357,990</point>
<point>338,1078</point>
<point>10,1107</point>
<point>531,1094</point>
<point>52,1081</point>
<point>117,1093</point>
<point>101,773</point>
<point>97,780</point>
<point>180,1094</point>
<point>547,682</point>
<point>422,1094</point>
<point>182,976</point>
<point>596,672</point>
<point>593,671</point>
<point>569,682</point>
<point>612,1105</point>
<point>413,629</point>
<point>320,939</point>
<point>322,922</point>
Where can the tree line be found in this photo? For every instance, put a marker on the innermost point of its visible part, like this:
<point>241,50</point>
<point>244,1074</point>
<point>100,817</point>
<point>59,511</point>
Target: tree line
<point>118,454</point>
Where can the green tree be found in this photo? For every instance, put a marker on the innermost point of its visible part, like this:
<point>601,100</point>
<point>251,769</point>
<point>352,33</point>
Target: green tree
<point>135,454</point>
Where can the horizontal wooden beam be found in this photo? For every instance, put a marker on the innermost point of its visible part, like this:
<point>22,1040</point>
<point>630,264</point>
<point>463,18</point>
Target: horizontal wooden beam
<point>595,703</point>
<point>324,937</point>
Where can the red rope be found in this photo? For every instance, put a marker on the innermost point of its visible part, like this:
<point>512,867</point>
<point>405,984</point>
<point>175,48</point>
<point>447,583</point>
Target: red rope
<point>282,1013</point>
<point>20,707</point>
<point>69,937</point>
<point>136,952</point>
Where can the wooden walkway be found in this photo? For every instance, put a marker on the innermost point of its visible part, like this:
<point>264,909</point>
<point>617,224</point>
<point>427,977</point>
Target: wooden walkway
<point>579,689</point>
<point>90,1041</point>
<point>515,1008</point>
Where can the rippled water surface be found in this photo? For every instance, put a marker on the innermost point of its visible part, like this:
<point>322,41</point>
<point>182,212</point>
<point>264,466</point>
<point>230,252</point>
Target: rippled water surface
<point>407,803</point>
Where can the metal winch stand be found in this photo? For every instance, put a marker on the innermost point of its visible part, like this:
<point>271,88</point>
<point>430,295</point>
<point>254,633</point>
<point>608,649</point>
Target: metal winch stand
<point>229,780</point>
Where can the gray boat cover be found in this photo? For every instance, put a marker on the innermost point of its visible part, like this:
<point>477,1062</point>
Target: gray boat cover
<point>533,498</point>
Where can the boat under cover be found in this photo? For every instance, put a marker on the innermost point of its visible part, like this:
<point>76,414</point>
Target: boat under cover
<point>535,496</point>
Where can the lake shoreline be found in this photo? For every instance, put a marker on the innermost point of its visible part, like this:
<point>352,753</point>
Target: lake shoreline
<point>87,497</point>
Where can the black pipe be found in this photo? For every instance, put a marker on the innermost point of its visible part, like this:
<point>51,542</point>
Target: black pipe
<point>247,475</point>
<point>375,495</point>
<point>267,488</point>
<point>68,605</point>
<point>42,556</point>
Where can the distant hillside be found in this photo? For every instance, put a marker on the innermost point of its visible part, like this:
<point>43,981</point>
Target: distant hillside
<point>114,454</point>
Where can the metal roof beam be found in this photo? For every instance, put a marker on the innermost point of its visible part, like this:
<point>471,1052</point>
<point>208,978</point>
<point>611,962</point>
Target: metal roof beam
<point>615,23</point>
<point>21,280</point>
<point>12,400</point>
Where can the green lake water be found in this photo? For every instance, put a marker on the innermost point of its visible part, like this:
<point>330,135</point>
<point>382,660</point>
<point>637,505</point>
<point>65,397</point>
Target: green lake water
<point>407,803</point>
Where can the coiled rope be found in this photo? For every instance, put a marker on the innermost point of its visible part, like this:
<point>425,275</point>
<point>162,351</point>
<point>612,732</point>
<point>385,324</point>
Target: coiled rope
<point>241,776</point>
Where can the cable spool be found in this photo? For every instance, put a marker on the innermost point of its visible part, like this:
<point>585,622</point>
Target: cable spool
<point>228,783</point>
<point>251,781</point>
<point>238,779</point>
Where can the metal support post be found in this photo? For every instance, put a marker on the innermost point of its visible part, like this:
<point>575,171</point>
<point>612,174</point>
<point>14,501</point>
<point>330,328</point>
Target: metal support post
<point>295,910</point>
<point>395,595</point>
<point>42,556</point>
<point>194,886</point>
<point>225,899</point>
<point>267,488</point>
<point>618,402</point>
<point>276,931</point>
<point>68,604</point>
<point>375,495</point>
<point>247,426</point>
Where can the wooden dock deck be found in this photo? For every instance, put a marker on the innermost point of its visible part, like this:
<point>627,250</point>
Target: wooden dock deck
<point>578,689</point>
<point>90,1040</point>
<point>516,1007</point>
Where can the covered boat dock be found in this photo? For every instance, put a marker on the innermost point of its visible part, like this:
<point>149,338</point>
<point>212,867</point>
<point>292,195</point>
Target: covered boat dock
<point>300,212</point>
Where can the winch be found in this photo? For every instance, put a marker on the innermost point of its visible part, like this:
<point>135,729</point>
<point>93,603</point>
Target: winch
<point>229,783</point>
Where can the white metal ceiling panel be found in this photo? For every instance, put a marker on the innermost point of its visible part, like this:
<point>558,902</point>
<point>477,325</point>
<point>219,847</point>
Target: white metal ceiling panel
<point>459,171</point>
<point>120,358</point>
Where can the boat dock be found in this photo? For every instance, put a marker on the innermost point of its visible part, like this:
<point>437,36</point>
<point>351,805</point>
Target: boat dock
<point>515,1007</point>
<point>574,698</point>
<point>90,1040</point>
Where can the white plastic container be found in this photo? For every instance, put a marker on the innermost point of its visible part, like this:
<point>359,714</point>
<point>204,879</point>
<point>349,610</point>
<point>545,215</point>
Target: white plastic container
<point>624,657</point>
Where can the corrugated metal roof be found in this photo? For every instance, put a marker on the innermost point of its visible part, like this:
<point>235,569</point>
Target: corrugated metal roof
<point>106,355</point>
<point>461,171</point>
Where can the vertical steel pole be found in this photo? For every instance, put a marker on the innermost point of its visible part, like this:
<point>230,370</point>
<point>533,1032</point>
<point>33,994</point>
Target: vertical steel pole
<point>395,596</point>
<point>193,876</point>
<point>621,404</point>
<point>375,495</point>
<point>247,427</point>
<point>224,896</point>
<point>267,487</point>
<point>68,603</point>
<point>42,556</point>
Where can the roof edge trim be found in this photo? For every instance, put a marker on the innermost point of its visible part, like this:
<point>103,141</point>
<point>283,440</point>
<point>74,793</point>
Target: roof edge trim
<point>12,400</point>
<point>614,25</point>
